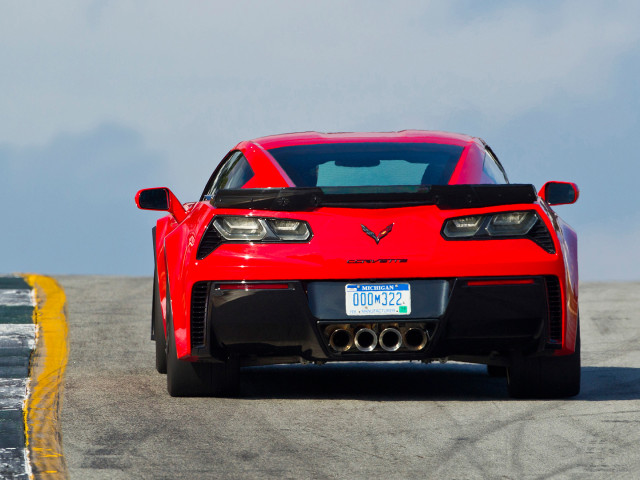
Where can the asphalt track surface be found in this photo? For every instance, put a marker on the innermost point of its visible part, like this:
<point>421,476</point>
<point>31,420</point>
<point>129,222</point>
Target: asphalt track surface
<point>342,421</point>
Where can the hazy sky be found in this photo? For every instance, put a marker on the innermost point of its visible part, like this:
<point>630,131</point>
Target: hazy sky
<point>99,99</point>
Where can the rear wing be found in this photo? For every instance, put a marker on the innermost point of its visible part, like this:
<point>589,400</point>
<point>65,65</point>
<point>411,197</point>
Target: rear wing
<point>445,197</point>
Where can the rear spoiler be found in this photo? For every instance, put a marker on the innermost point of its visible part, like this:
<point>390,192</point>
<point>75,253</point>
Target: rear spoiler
<point>443,196</point>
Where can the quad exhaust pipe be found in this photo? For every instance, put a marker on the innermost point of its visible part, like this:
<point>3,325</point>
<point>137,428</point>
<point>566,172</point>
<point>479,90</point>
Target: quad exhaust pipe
<point>390,339</point>
<point>366,340</point>
<point>415,339</point>
<point>343,338</point>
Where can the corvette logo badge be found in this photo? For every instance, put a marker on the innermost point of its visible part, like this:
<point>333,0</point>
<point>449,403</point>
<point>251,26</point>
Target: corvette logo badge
<point>380,236</point>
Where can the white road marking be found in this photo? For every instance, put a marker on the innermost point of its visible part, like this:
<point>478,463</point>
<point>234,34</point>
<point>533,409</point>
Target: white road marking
<point>17,297</point>
<point>17,336</point>
<point>12,393</point>
<point>17,341</point>
<point>16,457</point>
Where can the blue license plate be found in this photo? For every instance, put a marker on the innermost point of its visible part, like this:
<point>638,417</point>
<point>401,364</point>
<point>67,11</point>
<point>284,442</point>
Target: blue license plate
<point>378,299</point>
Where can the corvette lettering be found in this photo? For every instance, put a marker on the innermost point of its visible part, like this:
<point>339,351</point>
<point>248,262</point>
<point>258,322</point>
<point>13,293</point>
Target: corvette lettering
<point>379,260</point>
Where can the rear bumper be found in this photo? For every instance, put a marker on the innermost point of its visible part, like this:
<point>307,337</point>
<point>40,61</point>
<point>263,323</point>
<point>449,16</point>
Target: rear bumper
<point>480,317</point>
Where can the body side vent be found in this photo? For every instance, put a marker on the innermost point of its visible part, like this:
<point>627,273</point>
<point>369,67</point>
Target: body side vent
<point>199,298</point>
<point>554,299</point>
<point>542,237</point>
<point>209,242</point>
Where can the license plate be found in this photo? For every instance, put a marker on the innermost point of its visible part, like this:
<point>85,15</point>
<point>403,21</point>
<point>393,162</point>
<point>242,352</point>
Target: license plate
<point>378,299</point>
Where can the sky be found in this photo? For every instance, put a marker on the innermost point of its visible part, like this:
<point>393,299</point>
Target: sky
<point>101,98</point>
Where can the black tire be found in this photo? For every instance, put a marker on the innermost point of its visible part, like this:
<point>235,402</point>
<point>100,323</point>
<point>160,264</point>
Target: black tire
<point>496,371</point>
<point>158,328</point>
<point>197,379</point>
<point>545,377</point>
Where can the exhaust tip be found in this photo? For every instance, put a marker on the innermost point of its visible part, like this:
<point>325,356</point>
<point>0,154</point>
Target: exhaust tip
<point>366,340</point>
<point>390,339</point>
<point>341,339</point>
<point>415,339</point>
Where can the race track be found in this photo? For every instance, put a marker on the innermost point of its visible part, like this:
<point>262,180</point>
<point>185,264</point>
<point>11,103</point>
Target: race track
<point>342,421</point>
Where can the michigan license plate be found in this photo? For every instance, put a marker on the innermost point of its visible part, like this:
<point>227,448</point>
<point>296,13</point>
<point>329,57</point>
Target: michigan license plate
<point>378,299</point>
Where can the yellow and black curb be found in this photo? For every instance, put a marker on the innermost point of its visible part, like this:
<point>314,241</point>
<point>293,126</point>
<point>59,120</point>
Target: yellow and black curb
<point>33,357</point>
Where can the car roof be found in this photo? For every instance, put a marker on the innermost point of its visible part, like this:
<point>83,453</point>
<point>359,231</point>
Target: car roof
<point>405,136</point>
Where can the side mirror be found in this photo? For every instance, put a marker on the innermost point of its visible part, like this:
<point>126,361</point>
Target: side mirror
<point>160,199</point>
<point>153,199</point>
<point>559,193</point>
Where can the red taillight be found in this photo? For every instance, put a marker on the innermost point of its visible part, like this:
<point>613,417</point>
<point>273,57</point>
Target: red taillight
<point>481,283</point>
<point>253,286</point>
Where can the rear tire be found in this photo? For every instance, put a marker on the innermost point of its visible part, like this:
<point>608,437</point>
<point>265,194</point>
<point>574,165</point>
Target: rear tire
<point>158,328</point>
<point>545,377</point>
<point>196,379</point>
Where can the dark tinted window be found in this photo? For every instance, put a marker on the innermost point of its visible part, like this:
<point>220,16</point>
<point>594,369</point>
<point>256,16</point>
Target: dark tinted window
<point>493,169</point>
<point>234,174</point>
<point>239,174</point>
<point>362,164</point>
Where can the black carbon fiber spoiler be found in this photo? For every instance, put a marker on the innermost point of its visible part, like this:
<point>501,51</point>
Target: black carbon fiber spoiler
<point>445,197</point>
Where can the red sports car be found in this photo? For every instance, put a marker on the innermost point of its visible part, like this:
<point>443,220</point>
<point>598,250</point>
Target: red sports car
<point>408,245</point>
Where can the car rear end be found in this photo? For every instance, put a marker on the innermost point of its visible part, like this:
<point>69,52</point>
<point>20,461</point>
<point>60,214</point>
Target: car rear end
<point>426,289</point>
<point>371,247</point>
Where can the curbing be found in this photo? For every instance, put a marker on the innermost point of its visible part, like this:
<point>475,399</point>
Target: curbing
<point>48,363</point>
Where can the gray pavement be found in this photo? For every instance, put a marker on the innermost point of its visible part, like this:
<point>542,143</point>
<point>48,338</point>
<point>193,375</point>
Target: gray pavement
<point>356,420</point>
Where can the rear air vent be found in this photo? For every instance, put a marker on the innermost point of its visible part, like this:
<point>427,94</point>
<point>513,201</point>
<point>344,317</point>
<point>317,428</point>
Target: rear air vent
<point>199,296</point>
<point>554,297</point>
<point>542,237</point>
<point>209,242</point>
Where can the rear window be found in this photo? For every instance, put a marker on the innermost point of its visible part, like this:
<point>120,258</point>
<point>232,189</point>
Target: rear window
<point>368,164</point>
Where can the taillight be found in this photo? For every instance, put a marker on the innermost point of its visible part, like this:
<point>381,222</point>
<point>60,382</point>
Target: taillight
<point>500,225</point>
<point>256,229</point>
<point>240,229</point>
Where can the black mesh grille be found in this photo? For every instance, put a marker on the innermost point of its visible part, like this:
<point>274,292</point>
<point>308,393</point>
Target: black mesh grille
<point>209,242</point>
<point>554,297</point>
<point>542,237</point>
<point>199,296</point>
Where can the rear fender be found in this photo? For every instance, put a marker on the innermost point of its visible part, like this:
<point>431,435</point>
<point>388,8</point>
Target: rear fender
<point>163,226</point>
<point>569,245</point>
<point>179,250</point>
<point>568,251</point>
<point>155,285</point>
